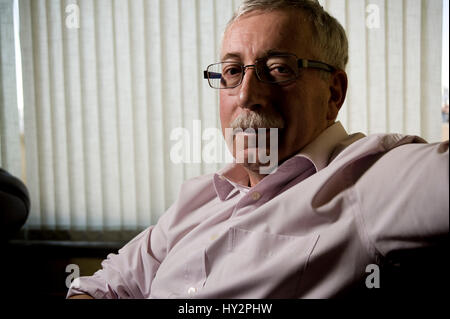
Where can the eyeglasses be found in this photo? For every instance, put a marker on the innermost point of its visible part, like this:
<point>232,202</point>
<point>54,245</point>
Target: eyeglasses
<point>273,69</point>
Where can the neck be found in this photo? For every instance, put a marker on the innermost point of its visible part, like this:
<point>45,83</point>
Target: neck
<point>254,177</point>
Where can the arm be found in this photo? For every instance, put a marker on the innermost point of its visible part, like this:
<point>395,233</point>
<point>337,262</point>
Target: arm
<point>403,198</point>
<point>403,205</point>
<point>80,297</point>
<point>128,274</point>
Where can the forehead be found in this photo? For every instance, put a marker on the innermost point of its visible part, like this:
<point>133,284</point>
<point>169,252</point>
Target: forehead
<point>257,32</point>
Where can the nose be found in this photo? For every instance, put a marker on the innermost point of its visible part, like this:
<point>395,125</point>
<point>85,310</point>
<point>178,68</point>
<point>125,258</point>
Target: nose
<point>251,93</point>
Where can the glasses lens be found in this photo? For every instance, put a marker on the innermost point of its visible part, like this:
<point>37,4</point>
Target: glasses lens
<point>276,69</point>
<point>224,75</point>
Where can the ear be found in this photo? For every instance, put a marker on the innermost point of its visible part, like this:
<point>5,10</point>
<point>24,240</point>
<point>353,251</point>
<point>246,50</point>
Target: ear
<point>338,90</point>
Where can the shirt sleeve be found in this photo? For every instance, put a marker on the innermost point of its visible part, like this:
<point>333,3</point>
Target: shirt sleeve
<point>130,273</point>
<point>403,198</point>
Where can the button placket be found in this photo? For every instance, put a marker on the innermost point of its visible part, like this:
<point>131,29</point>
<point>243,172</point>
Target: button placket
<point>195,272</point>
<point>192,291</point>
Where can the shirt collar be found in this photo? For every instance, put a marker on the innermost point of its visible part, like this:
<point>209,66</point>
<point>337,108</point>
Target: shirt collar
<point>319,152</point>
<point>228,178</point>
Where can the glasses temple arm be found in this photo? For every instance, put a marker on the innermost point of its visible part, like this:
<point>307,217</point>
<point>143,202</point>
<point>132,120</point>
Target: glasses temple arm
<point>211,75</point>
<point>303,63</point>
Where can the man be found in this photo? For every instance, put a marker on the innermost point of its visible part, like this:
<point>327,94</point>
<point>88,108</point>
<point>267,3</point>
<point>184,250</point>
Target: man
<point>335,206</point>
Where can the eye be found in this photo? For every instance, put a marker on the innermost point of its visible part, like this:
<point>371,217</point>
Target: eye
<point>232,70</point>
<point>280,70</point>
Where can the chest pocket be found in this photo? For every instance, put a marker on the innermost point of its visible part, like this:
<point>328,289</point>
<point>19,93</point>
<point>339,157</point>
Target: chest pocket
<point>248,264</point>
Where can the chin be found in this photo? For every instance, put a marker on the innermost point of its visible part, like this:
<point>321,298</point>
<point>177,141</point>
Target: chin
<point>247,160</point>
<point>254,167</point>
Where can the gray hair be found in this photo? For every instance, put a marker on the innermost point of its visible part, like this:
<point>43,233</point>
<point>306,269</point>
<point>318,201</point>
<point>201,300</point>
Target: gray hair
<point>330,38</point>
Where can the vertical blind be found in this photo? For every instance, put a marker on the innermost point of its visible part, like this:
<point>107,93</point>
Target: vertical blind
<point>10,154</point>
<point>395,50</point>
<point>102,98</point>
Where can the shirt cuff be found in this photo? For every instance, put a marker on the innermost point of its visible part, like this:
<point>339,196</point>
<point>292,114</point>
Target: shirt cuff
<point>93,286</point>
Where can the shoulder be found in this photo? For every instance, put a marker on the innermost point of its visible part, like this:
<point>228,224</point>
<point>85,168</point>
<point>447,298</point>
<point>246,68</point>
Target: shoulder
<point>193,187</point>
<point>403,196</point>
<point>393,150</point>
<point>412,156</point>
<point>403,161</point>
<point>193,194</point>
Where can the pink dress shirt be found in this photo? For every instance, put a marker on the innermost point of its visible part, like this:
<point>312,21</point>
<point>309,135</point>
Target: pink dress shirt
<point>309,230</point>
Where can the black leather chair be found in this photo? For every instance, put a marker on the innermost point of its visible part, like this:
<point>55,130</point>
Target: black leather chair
<point>14,205</point>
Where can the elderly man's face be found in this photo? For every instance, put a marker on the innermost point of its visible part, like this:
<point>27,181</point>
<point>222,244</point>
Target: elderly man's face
<point>301,107</point>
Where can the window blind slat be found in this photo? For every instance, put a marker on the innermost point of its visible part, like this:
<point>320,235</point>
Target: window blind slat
<point>191,81</point>
<point>44,114</point>
<point>431,57</point>
<point>357,67</point>
<point>125,108</point>
<point>139,62</point>
<point>376,48</point>
<point>210,53</point>
<point>412,61</point>
<point>171,88</point>
<point>9,117</point>
<point>395,83</point>
<point>93,190</point>
<point>30,119</point>
<point>154,74</point>
<point>107,103</point>
<point>58,99</point>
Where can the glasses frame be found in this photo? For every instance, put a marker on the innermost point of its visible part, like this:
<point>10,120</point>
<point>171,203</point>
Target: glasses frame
<point>301,63</point>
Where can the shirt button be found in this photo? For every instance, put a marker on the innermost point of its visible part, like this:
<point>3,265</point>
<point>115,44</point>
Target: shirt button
<point>256,195</point>
<point>192,290</point>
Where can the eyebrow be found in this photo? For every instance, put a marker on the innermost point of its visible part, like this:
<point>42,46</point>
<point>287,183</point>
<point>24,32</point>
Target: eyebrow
<point>271,52</point>
<point>277,52</point>
<point>231,55</point>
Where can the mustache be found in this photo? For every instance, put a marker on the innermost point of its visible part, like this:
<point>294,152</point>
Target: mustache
<point>256,120</point>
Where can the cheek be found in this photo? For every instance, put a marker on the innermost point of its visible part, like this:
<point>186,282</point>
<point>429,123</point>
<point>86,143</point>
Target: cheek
<point>301,105</point>
<point>226,109</point>
<point>297,109</point>
<point>290,106</point>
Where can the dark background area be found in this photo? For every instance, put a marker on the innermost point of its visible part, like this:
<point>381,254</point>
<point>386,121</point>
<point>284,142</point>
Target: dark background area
<point>38,268</point>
